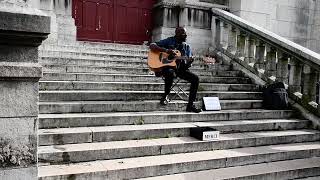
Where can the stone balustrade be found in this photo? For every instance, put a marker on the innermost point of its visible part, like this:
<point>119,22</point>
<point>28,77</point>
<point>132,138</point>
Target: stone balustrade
<point>269,56</point>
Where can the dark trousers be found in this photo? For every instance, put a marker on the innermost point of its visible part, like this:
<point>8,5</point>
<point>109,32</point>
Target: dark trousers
<point>169,74</point>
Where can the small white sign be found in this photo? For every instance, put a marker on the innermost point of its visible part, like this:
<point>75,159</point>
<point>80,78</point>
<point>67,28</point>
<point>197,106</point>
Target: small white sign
<point>210,135</point>
<point>211,103</point>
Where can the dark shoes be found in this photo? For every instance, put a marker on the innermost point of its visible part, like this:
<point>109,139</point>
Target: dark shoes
<point>193,109</point>
<point>164,101</point>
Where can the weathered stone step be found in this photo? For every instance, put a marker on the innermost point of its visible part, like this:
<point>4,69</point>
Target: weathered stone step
<point>119,70</point>
<point>93,55</point>
<point>134,106</point>
<point>150,147</point>
<point>90,50</point>
<point>130,62</point>
<point>96,47</point>
<point>78,95</point>
<point>145,131</point>
<point>179,163</point>
<point>139,86</point>
<point>291,169</point>
<point>141,78</point>
<point>129,118</point>
<point>94,62</point>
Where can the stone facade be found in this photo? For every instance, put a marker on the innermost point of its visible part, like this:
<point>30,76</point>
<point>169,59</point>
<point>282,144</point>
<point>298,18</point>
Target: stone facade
<point>296,20</point>
<point>194,15</point>
<point>20,36</point>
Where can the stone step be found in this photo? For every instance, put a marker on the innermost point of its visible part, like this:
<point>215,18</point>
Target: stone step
<point>130,118</point>
<point>140,78</point>
<point>291,169</point>
<point>92,55</point>
<point>93,62</point>
<point>139,86</point>
<point>120,70</point>
<point>149,147</point>
<point>140,167</point>
<point>134,106</point>
<point>77,49</point>
<point>95,46</point>
<point>52,96</point>
<point>146,131</point>
<point>130,62</point>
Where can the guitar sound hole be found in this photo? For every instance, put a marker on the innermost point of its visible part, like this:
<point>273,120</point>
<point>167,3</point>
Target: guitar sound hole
<point>171,56</point>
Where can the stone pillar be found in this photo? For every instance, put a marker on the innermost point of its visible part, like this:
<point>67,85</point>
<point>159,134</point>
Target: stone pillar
<point>260,50</point>
<point>295,75</point>
<point>282,67</point>
<point>165,16</point>
<point>20,36</point>
<point>241,44</point>
<point>192,15</point>
<point>183,17</point>
<point>250,51</point>
<point>310,78</point>
<point>232,41</point>
<point>271,64</point>
<point>225,35</point>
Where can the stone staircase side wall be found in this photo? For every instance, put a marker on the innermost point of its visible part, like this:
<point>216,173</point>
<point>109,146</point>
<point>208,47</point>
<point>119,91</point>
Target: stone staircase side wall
<point>20,36</point>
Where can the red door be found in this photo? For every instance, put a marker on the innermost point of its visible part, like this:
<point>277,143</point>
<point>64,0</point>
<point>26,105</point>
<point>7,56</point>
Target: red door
<point>121,21</point>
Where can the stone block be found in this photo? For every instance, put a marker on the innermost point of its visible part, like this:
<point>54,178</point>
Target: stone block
<point>257,18</point>
<point>20,130</point>
<point>18,54</point>
<point>18,99</point>
<point>16,174</point>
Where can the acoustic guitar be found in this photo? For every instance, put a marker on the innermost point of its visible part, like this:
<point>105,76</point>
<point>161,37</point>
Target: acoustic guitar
<point>158,60</point>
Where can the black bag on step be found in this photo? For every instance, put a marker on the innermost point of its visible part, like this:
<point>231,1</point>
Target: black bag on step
<point>275,96</point>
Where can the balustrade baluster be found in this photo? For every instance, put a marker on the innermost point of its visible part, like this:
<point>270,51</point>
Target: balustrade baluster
<point>217,35</point>
<point>295,75</point>
<point>271,63</point>
<point>225,31</point>
<point>232,43</point>
<point>310,78</point>
<point>241,45</point>
<point>282,67</point>
<point>250,52</point>
<point>260,51</point>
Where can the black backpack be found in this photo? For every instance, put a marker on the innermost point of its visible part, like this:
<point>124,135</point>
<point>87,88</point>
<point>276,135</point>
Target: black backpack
<point>275,96</point>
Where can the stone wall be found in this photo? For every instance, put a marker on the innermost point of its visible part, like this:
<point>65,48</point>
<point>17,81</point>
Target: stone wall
<point>194,15</point>
<point>20,36</point>
<point>296,20</point>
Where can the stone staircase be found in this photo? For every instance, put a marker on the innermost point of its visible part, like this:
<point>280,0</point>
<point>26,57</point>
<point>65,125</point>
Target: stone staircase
<point>100,118</point>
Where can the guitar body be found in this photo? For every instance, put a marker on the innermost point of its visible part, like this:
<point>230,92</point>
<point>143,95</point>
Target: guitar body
<point>159,60</point>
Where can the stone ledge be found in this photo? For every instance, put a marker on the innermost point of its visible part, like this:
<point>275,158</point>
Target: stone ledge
<point>15,70</point>
<point>303,54</point>
<point>23,29</point>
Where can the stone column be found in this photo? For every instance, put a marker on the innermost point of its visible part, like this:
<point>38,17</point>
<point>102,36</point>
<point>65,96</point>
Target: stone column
<point>295,75</point>
<point>271,64</point>
<point>260,50</point>
<point>241,44</point>
<point>232,41</point>
<point>183,17</point>
<point>250,51</point>
<point>20,36</point>
<point>225,35</point>
<point>310,78</point>
<point>165,16</point>
<point>282,67</point>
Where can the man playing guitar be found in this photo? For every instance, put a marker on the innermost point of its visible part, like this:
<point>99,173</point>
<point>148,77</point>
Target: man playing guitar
<point>169,45</point>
